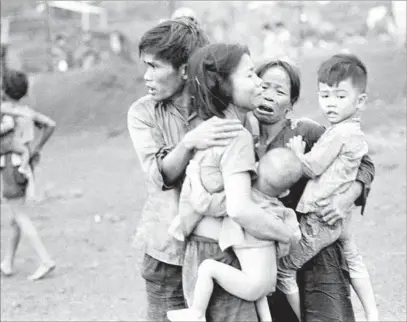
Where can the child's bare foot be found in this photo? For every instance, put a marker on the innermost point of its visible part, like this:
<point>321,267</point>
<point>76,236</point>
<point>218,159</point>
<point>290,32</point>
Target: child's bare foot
<point>185,315</point>
<point>6,269</point>
<point>372,316</point>
<point>24,169</point>
<point>43,270</point>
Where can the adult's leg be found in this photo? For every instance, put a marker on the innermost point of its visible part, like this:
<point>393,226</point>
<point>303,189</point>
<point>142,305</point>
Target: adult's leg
<point>280,309</point>
<point>163,288</point>
<point>256,279</point>
<point>326,287</point>
<point>359,277</point>
<point>222,306</point>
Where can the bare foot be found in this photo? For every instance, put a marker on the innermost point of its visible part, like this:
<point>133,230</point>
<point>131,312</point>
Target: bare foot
<point>24,169</point>
<point>6,269</point>
<point>372,316</point>
<point>185,315</point>
<point>43,270</point>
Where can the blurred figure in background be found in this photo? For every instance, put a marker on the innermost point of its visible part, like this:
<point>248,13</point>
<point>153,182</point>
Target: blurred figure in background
<point>87,55</point>
<point>399,15</point>
<point>185,12</point>
<point>277,43</point>
<point>61,55</point>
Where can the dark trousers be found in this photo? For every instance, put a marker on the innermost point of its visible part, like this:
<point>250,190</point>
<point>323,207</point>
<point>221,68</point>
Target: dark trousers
<point>324,288</point>
<point>163,288</point>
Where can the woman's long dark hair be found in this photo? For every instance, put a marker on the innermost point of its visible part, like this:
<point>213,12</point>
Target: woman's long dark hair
<point>209,70</point>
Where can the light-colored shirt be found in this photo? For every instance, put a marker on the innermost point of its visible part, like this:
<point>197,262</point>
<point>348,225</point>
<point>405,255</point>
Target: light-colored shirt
<point>216,163</point>
<point>24,131</point>
<point>155,129</point>
<point>333,163</point>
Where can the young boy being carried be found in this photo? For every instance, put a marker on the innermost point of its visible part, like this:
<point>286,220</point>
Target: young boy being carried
<point>332,165</point>
<point>278,170</point>
<point>17,125</point>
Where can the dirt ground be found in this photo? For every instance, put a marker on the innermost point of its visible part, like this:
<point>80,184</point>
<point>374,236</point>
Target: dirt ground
<point>89,176</point>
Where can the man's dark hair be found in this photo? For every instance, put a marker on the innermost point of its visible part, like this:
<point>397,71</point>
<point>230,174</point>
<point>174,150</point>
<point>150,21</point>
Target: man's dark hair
<point>15,84</point>
<point>209,70</point>
<point>292,72</point>
<point>173,41</point>
<point>341,67</point>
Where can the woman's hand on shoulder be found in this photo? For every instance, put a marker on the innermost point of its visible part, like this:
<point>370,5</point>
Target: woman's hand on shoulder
<point>212,132</point>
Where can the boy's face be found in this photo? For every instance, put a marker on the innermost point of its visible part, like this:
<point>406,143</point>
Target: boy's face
<point>162,80</point>
<point>340,102</point>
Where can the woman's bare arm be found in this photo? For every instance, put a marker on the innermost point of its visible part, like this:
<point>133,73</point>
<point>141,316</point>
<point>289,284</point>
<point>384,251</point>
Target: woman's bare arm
<point>241,208</point>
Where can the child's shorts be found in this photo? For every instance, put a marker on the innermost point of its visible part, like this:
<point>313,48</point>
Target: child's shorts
<point>14,184</point>
<point>6,142</point>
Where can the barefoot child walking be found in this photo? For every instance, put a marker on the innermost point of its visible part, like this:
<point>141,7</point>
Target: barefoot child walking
<point>14,184</point>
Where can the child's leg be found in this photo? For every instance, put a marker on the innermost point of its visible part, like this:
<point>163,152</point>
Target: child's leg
<point>255,280</point>
<point>294,301</point>
<point>27,227</point>
<point>359,276</point>
<point>315,236</point>
<point>7,264</point>
<point>263,309</point>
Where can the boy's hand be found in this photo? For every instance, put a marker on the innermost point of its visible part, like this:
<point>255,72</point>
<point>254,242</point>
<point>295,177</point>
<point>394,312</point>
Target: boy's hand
<point>212,132</point>
<point>296,144</point>
<point>334,208</point>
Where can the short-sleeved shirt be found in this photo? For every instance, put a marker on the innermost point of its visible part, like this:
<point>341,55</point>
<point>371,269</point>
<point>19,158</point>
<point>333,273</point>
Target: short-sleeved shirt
<point>310,131</point>
<point>216,163</point>
<point>333,163</point>
<point>24,131</point>
<point>323,281</point>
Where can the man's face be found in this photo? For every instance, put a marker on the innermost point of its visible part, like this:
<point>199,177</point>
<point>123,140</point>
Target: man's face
<point>246,85</point>
<point>340,102</point>
<point>162,80</point>
<point>276,96</point>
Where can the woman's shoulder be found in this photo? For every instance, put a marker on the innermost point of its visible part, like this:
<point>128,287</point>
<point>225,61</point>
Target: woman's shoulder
<point>307,127</point>
<point>243,140</point>
<point>244,136</point>
<point>304,124</point>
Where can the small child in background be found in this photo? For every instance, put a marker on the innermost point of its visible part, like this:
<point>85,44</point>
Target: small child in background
<point>17,124</point>
<point>332,164</point>
<point>278,170</point>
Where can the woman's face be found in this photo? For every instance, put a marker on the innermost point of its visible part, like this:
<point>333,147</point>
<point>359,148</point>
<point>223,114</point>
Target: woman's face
<point>246,85</point>
<point>276,96</point>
